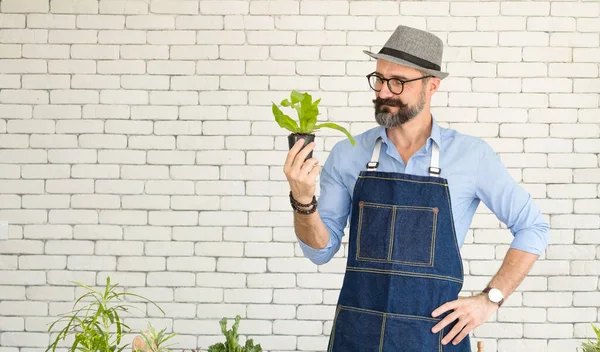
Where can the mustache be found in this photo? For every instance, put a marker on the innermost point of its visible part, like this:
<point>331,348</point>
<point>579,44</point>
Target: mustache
<point>389,102</point>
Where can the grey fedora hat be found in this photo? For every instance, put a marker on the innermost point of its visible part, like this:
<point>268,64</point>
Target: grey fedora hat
<point>413,48</point>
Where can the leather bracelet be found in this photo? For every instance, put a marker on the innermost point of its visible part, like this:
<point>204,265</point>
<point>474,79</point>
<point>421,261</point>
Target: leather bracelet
<point>305,212</point>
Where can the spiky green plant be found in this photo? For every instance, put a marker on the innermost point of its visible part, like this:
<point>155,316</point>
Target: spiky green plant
<point>307,112</point>
<point>231,343</point>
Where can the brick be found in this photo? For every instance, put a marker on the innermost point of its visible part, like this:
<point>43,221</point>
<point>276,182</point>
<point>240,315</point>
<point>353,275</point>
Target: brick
<point>571,70</point>
<point>134,263</point>
<point>519,8</point>
<point>121,37</point>
<point>16,6</point>
<point>194,172</point>
<point>220,22</point>
<point>145,202</point>
<point>139,233</point>
<point>574,39</point>
<point>10,51</point>
<point>131,7</point>
<point>12,21</point>
<point>547,85</point>
<point>185,7</point>
<point>51,21</point>
<point>522,100</point>
<point>173,98</point>
<point>547,54</point>
<point>170,157</point>
<point>322,38</point>
<point>106,112</point>
<point>23,36</point>
<point>172,279</point>
<point>23,66</point>
<point>171,37</point>
<point>555,24</point>
<point>261,7</point>
<point>521,38</point>
<point>48,231</point>
<point>575,9</point>
<point>154,112</point>
<point>248,296</point>
<point>185,263</point>
<point>151,142</point>
<point>123,217</point>
<point>195,203</point>
<point>91,263</point>
<point>473,39</point>
<point>237,22</point>
<point>96,201</point>
<point>553,115</point>
<point>119,187</point>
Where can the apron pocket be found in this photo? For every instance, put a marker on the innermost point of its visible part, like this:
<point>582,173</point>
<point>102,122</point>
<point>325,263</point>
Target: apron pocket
<point>396,234</point>
<point>414,233</point>
<point>356,330</point>
<point>374,229</point>
<point>410,333</point>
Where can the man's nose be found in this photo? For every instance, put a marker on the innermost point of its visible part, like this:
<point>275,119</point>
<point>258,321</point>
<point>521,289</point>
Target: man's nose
<point>385,92</point>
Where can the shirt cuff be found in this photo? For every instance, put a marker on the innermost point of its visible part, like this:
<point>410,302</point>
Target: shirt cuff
<point>531,241</point>
<point>317,256</point>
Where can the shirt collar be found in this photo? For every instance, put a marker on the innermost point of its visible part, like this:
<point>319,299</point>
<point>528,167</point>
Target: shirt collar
<point>435,137</point>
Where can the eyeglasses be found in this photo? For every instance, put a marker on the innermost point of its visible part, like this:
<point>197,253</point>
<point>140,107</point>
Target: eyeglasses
<point>395,85</point>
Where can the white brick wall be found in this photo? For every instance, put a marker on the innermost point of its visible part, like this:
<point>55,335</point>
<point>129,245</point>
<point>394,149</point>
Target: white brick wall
<point>136,141</point>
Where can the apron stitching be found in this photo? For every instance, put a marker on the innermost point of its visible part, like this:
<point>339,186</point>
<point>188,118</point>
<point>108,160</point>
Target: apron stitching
<point>401,179</point>
<point>366,259</point>
<point>391,245</point>
<point>404,316</point>
<point>454,233</point>
<point>432,256</point>
<point>404,273</point>
<point>360,216</point>
<point>382,333</point>
<point>337,311</point>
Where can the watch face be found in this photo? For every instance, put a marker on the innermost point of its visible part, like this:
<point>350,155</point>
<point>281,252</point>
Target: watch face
<point>495,295</point>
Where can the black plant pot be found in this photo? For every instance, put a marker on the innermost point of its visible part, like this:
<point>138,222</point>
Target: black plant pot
<point>294,137</point>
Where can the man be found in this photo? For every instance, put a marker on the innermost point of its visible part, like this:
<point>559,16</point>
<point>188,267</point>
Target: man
<point>411,189</point>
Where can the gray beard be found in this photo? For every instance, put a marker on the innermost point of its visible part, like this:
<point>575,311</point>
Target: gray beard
<point>404,114</point>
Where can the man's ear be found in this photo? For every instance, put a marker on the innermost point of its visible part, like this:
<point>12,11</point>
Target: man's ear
<point>433,85</point>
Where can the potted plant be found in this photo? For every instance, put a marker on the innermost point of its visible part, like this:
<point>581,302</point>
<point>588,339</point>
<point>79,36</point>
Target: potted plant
<point>592,346</point>
<point>307,112</point>
<point>97,326</point>
<point>231,343</point>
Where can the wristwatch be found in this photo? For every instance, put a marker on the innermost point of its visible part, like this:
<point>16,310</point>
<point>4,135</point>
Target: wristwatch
<point>494,295</point>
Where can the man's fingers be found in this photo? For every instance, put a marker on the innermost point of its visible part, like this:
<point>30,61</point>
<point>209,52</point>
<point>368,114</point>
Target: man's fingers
<point>455,330</point>
<point>308,166</point>
<point>289,160</point>
<point>301,156</point>
<point>444,322</point>
<point>445,307</point>
<point>465,331</point>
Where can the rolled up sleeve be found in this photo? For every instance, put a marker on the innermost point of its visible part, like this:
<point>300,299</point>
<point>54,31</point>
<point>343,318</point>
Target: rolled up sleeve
<point>511,203</point>
<point>334,207</point>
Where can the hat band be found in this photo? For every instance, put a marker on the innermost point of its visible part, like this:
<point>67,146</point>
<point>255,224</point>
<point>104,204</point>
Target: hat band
<point>410,58</point>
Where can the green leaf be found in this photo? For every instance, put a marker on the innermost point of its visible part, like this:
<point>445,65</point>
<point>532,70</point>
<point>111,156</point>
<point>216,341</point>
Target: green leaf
<point>336,127</point>
<point>296,97</point>
<point>283,120</point>
<point>285,103</point>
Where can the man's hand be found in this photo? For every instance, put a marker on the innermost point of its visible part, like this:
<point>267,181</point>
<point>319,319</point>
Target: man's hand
<point>301,175</point>
<point>470,312</point>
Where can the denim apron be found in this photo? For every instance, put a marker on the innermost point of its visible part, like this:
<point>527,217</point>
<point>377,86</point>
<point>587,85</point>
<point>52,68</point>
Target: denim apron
<point>403,263</point>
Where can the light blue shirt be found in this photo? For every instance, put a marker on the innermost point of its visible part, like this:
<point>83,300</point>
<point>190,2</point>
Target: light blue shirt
<point>474,172</point>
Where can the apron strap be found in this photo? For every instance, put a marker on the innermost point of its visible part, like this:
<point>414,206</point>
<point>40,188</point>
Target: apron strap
<point>374,163</point>
<point>434,169</point>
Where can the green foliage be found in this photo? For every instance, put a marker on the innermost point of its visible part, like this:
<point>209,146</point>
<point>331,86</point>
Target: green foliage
<point>232,340</point>
<point>97,326</point>
<point>307,112</point>
<point>592,346</point>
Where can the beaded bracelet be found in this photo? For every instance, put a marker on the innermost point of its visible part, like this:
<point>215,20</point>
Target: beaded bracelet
<point>296,205</point>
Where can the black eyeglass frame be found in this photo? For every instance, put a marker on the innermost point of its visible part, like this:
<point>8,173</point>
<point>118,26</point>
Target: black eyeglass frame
<point>387,81</point>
